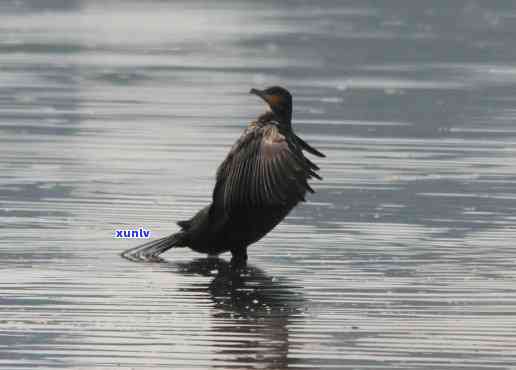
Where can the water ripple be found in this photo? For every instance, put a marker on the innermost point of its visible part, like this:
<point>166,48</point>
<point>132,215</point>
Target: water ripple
<point>402,259</point>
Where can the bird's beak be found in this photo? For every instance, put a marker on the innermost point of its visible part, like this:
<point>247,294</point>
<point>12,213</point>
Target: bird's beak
<point>259,93</point>
<point>265,97</point>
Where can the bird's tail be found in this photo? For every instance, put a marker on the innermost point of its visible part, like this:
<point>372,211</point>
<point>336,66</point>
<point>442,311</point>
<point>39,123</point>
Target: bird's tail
<point>151,250</point>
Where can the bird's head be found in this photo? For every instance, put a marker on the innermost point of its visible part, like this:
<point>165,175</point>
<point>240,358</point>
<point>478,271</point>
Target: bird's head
<point>279,101</point>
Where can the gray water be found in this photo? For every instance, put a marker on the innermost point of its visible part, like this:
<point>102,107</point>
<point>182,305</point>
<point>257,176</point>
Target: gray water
<point>117,115</point>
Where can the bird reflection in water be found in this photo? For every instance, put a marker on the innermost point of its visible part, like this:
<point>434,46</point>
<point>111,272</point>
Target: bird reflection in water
<point>252,313</point>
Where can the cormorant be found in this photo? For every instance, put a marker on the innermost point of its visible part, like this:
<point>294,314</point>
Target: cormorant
<point>263,177</point>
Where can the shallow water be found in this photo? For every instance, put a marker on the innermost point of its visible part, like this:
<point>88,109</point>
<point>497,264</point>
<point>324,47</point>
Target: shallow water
<point>117,116</point>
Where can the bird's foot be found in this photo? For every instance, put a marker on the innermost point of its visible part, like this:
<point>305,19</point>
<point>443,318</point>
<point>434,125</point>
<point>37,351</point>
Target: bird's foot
<point>238,259</point>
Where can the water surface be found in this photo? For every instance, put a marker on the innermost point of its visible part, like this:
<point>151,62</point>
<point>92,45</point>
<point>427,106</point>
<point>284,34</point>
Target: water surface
<point>116,116</point>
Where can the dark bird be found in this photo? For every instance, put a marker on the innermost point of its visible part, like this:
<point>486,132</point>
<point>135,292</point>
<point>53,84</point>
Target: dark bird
<point>263,177</point>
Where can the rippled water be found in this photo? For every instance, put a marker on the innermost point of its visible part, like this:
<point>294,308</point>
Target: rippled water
<point>116,116</point>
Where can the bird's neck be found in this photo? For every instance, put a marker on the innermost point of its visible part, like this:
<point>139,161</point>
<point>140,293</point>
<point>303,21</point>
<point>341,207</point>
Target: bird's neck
<point>269,117</point>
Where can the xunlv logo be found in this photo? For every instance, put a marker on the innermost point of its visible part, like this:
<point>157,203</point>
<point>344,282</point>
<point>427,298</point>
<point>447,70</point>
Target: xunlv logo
<point>132,233</point>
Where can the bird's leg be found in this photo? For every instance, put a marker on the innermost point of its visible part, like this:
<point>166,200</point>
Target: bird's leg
<point>239,257</point>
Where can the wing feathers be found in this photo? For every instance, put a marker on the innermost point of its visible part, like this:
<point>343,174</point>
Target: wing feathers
<point>265,167</point>
<point>304,145</point>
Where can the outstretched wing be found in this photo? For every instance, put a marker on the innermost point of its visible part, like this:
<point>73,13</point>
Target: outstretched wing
<point>264,168</point>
